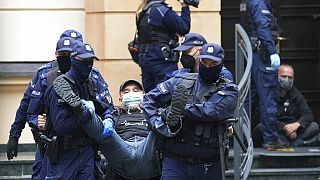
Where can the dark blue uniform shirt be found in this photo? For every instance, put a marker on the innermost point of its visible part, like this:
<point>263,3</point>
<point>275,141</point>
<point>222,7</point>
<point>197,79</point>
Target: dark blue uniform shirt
<point>102,95</point>
<point>165,18</point>
<point>260,12</point>
<point>219,106</point>
<point>21,114</point>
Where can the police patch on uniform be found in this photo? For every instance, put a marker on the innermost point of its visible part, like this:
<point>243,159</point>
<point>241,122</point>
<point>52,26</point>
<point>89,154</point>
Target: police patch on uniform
<point>31,84</point>
<point>163,88</point>
<point>183,39</point>
<point>221,93</point>
<point>37,93</point>
<point>109,99</point>
<point>66,42</point>
<point>88,47</point>
<point>73,34</point>
<point>210,49</point>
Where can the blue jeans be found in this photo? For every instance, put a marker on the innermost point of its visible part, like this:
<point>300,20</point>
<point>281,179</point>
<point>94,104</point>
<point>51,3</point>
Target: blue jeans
<point>133,159</point>
<point>177,170</point>
<point>265,91</point>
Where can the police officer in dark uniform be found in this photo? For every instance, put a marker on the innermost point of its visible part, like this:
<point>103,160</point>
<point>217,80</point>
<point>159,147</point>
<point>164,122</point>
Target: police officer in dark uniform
<point>190,48</point>
<point>75,155</point>
<point>158,26</point>
<point>195,103</point>
<point>21,114</point>
<point>263,32</point>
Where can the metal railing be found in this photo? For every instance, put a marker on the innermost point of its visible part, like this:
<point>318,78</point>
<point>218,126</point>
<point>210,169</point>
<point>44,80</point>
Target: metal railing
<point>243,58</point>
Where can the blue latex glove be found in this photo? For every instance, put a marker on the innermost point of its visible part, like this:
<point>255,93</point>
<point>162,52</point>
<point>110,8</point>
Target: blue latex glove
<point>275,60</point>
<point>89,105</point>
<point>108,128</point>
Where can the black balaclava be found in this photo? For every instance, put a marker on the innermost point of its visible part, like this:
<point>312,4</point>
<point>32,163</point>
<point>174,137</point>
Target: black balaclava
<point>80,69</point>
<point>187,61</point>
<point>211,74</point>
<point>64,63</point>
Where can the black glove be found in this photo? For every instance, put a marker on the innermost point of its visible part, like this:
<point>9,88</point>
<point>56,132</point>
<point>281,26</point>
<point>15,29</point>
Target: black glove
<point>193,3</point>
<point>12,147</point>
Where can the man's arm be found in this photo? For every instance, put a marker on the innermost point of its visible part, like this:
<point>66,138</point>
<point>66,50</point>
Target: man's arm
<point>172,21</point>
<point>220,106</point>
<point>304,111</point>
<point>159,97</point>
<point>64,119</point>
<point>105,109</point>
<point>262,18</point>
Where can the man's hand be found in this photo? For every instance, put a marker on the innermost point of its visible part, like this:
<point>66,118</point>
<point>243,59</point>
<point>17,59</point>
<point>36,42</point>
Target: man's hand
<point>291,128</point>
<point>293,135</point>
<point>12,147</point>
<point>42,122</point>
<point>275,60</point>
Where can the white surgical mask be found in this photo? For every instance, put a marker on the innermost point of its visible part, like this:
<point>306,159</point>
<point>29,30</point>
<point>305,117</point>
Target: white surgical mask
<point>132,101</point>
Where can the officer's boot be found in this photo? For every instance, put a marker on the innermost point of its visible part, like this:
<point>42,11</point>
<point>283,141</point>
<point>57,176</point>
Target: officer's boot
<point>178,102</point>
<point>315,141</point>
<point>64,90</point>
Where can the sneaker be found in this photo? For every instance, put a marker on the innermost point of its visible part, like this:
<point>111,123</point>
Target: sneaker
<point>274,146</point>
<point>63,89</point>
<point>315,141</point>
<point>178,102</point>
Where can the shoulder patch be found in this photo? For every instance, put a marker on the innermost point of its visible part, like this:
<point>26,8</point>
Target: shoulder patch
<point>163,89</point>
<point>37,93</point>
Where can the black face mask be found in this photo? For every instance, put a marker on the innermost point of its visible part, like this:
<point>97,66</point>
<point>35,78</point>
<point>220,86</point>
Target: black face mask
<point>211,74</point>
<point>187,61</point>
<point>81,69</point>
<point>64,63</point>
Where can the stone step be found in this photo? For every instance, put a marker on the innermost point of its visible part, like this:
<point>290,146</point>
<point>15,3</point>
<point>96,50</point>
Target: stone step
<point>18,166</point>
<point>281,174</point>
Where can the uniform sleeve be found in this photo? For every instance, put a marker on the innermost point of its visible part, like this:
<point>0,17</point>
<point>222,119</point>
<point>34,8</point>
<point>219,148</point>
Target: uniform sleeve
<point>220,106</point>
<point>305,113</point>
<point>262,18</point>
<point>36,105</point>
<point>176,23</point>
<point>165,17</point>
<point>159,97</point>
<point>64,120</point>
<point>21,114</point>
<point>105,108</point>
<point>227,74</point>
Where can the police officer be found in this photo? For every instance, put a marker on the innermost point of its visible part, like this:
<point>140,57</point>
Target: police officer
<point>97,88</point>
<point>75,154</point>
<point>195,103</point>
<point>190,48</point>
<point>21,114</point>
<point>263,32</point>
<point>157,27</point>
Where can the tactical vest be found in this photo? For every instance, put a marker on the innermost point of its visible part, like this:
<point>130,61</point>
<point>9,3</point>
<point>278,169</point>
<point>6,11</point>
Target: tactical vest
<point>150,34</point>
<point>196,132</point>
